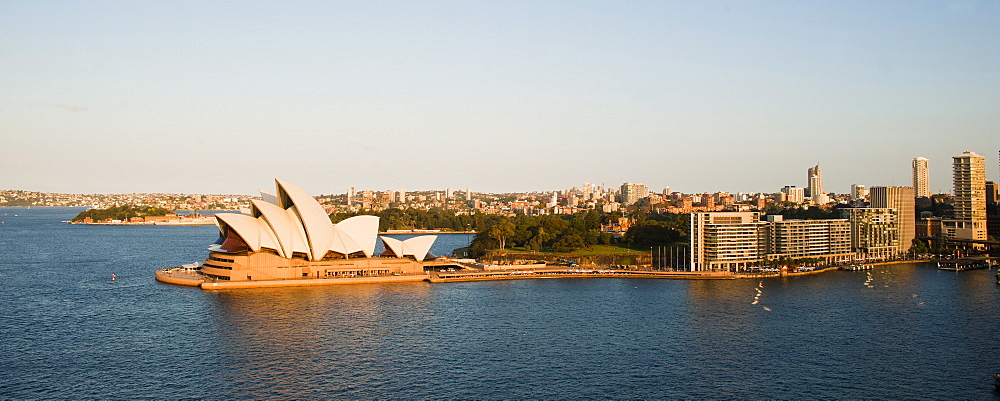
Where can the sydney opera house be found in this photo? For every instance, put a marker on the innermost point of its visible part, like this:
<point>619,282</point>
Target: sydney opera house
<point>288,235</point>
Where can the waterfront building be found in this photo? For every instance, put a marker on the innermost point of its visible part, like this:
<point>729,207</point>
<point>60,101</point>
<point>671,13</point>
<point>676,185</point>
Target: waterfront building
<point>828,239</point>
<point>288,235</point>
<point>736,241</point>
<point>901,199</point>
<point>969,174</point>
<point>633,192</point>
<point>815,182</point>
<point>874,232</point>
<point>921,177</point>
<point>726,241</point>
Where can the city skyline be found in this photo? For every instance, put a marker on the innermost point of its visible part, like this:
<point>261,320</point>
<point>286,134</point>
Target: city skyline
<point>498,97</point>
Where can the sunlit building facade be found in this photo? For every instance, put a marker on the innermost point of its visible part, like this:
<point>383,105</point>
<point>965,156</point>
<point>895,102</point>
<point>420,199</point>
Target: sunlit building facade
<point>969,174</point>
<point>921,177</point>
<point>902,200</point>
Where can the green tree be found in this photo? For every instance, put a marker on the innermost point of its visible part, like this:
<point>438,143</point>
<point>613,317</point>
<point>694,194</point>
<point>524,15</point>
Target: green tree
<point>502,231</point>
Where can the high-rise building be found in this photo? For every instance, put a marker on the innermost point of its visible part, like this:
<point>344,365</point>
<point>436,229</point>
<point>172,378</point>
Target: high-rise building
<point>969,174</point>
<point>901,199</point>
<point>468,194</point>
<point>448,192</point>
<point>793,194</point>
<point>632,192</point>
<point>992,211</point>
<point>921,177</point>
<point>815,182</point>
<point>402,196</point>
<point>728,241</point>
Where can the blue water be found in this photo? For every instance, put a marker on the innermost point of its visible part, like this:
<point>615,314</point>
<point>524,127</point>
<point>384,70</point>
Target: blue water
<point>67,331</point>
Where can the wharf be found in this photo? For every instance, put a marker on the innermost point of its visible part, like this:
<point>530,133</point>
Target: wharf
<point>963,264</point>
<point>520,274</point>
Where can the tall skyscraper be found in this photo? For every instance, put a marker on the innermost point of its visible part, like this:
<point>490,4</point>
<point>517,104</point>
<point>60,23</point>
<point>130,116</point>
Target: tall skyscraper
<point>468,195</point>
<point>921,178</point>
<point>815,182</point>
<point>969,174</point>
<point>901,199</point>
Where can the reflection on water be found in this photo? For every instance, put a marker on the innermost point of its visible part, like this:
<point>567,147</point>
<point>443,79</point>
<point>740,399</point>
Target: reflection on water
<point>277,339</point>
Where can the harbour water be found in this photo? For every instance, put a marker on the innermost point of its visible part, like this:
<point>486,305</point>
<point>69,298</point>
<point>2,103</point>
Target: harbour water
<point>895,332</point>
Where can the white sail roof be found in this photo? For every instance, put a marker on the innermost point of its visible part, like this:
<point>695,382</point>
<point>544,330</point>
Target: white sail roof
<point>293,221</point>
<point>362,230</point>
<point>315,222</point>
<point>244,226</point>
<point>418,247</point>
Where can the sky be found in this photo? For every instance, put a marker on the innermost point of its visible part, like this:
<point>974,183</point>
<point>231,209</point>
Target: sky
<point>497,96</point>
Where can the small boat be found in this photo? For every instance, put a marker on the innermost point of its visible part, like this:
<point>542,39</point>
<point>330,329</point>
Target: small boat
<point>996,381</point>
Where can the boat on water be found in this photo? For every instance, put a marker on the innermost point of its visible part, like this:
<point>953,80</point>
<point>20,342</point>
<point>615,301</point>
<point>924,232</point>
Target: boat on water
<point>855,268</point>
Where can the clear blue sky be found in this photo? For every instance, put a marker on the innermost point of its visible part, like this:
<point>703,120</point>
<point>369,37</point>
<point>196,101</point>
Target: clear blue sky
<point>221,97</point>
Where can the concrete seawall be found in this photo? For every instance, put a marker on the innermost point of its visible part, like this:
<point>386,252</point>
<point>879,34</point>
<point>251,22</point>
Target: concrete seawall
<point>194,279</point>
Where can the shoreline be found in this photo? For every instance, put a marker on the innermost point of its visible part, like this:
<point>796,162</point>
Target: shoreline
<point>191,278</point>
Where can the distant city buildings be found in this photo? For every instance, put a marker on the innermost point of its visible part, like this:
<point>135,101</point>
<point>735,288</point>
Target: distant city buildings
<point>793,194</point>
<point>633,192</point>
<point>858,192</point>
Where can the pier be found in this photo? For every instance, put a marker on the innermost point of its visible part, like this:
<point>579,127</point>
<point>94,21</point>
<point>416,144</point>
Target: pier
<point>964,264</point>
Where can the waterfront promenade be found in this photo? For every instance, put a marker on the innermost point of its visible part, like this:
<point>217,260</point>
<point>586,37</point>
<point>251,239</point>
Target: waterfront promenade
<point>190,277</point>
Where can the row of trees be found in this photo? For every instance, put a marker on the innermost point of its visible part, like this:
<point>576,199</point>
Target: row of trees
<point>565,233</point>
<point>124,212</point>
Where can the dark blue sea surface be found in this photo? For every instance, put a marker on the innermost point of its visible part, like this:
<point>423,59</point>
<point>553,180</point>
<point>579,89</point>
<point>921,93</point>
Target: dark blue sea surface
<point>68,331</point>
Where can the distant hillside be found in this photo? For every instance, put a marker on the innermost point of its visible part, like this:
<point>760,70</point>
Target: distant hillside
<point>121,213</point>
